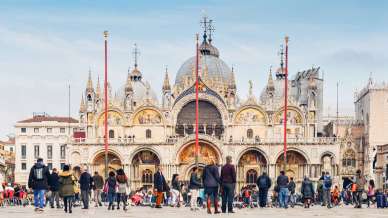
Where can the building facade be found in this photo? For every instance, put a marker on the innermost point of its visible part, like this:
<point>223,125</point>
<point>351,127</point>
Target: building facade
<point>41,136</point>
<point>144,132</point>
<point>7,153</point>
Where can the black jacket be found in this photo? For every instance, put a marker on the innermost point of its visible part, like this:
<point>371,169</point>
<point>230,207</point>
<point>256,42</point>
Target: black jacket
<point>195,182</point>
<point>263,182</point>
<point>39,176</point>
<point>211,177</point>
<point>54,182</point>
<point>307,189</point>
<point>291,187</point>
<point>85,181</point>
<point>282,181</point>
<point>160,183</point>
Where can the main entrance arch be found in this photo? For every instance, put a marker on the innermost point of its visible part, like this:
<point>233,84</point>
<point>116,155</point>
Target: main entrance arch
<point>98,163</point>
<point>143,167</point>
<point>208,152</point>
<point>251,164</point>
<point>296,166</point>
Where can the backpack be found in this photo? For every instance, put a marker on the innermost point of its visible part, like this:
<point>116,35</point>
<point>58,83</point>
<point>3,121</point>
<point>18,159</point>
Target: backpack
<point>39,173</point>
<point>263,182</point>
<point>327,183</point>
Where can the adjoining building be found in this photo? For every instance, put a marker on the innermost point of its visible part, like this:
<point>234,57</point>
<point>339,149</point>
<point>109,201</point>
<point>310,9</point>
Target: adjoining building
<point>41,136</point>
<point>7,159</point>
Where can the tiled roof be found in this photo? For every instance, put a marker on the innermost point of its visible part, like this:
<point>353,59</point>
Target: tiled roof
<point>10,141</point>
<point>36,119</point>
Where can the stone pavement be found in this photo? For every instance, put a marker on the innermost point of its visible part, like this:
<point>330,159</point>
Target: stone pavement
<point>167,212</point>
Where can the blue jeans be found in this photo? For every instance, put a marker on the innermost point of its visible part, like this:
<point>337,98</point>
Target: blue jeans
<point>283,197</point>
<point>39,198</point>
<point>111,197</point>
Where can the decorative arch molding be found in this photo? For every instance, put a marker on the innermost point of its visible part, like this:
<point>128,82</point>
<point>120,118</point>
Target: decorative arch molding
<point>144,148</point>
<point>145,109</point>
<point>114,110</point>
<point>300,151</point>
<point>220,105</point>
<point>328,153</point>
<point>102,151</point>
<point>203,141</point>
<point>280,112</point>
<point>254,107</point>
<point>241,154</point>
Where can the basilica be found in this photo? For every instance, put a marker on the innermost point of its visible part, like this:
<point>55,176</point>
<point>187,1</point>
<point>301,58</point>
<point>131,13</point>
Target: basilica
<point>144,132</point>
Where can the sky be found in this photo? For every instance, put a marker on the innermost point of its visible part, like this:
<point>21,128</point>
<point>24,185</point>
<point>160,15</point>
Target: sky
<point>45,46</point>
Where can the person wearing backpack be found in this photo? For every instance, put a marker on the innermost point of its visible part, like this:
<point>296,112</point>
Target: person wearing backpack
<point>263,184</point>
<point>66,188</point>
<point>38,181</point>
<point>327,183</point>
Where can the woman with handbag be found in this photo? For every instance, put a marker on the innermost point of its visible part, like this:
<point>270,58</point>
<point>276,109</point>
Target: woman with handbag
<point>122,186</point>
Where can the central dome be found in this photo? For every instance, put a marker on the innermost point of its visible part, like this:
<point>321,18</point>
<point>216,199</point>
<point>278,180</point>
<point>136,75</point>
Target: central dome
<point>212,67</point>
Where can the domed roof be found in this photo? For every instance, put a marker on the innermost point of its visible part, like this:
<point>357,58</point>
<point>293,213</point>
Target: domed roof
<point>212,66</point>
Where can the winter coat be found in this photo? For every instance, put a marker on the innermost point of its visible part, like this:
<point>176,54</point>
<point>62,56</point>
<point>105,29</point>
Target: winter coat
<point>176,185</point>
<point>195,182</point>
<point>38,178</point>
<point>291,187</point>
<point>263,182</point>
<point>112,182</point>
<point>67,184</point>
<point>228,174</point>
<point>327,182</point>
<point>160,183</point>
<point>282,181</point>
<point>307,189</point>
<point>98,182</point>
<point>85,181</point>
<point>54,182</point>
<point>211,177</point>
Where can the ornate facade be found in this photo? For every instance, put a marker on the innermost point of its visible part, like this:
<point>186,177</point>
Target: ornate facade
<point>144,132</point>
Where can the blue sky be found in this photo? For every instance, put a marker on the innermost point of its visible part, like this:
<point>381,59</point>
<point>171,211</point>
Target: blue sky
<point>46,45</point>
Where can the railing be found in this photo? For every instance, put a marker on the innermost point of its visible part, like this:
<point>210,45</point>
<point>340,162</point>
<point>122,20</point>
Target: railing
<point>175,139</point>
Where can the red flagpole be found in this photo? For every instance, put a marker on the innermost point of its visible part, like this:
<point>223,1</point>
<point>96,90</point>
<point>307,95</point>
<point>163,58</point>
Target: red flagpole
<point>106,104</point>
<point>196,102</point>
<point>285,104</point>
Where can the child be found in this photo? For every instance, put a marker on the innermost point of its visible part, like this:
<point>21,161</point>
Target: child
<point>335,196</point>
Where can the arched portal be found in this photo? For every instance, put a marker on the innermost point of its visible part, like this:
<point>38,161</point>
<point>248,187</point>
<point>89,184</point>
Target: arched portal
<point>207,153</point>
<point>143,167</point>
<point>209,122</point>
<point>296,166</point>
<point>251,164</point>
<point>98,164</point>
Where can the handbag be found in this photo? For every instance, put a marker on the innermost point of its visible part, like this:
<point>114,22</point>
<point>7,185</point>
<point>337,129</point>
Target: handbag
<point>106,187</point>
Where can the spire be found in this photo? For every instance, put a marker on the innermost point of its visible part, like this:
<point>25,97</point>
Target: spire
<point>270,84</point>
<point>98,88</point>
<point>205,23</point>
<point>82,107</point>
<point>89,86</point>
<point>232,83</point>
<point>166,82</point>
<point>135,73</point>
<point>250,88</point>
<point>211,30</point>
<point>280,72</point>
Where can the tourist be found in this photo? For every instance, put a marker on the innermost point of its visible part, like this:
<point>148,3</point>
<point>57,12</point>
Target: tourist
<point>54,187</point>
<point>326,187</point>
<point>371,192</point>
<point>110,189</point>
<point>282,183</point>
<point>98,185</point>
<point>263,184</point>
<point>85,182</point>
<point>122,189</point>
<point>211,181</point>
<point>194,186</point>
<point>38,181</point>
<point>176,186</point>
<point>160,186</point>
<point>335,196</point>
<point>66,183</point>
<point>291,189</point>
<point>307,191</point>
<point>1,195</point>
<point>320,188</point>
<point>228,182</point>
<point>360,183</point>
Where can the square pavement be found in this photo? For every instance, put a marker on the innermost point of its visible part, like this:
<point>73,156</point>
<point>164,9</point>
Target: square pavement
<point>168,212</point>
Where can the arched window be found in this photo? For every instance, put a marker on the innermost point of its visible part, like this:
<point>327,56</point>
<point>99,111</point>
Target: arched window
<point>249,133</point>
<point>111,134</point>
<point>89,97</point>
<point>349,158</point>
<point>147,176</point>
<point>148,134</point>
<point>251,176</point>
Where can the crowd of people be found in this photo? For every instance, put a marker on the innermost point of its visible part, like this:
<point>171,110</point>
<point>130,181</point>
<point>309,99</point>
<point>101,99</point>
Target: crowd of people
<point>212,189</point>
